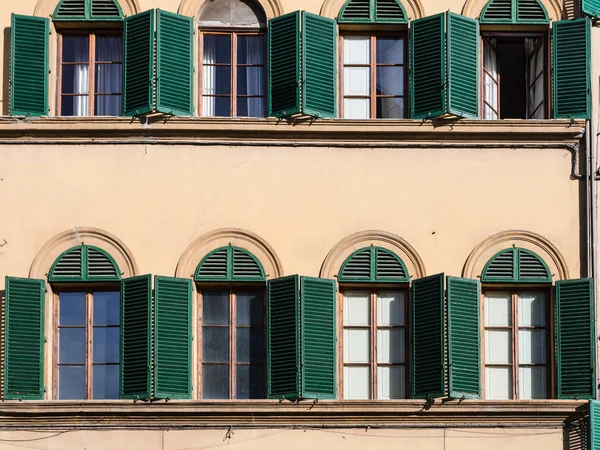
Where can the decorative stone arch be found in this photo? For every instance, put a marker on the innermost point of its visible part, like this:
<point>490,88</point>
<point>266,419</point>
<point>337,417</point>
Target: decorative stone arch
<point>344,248</point>
<point>414,8</point>
<point>473,8</point>
<point>222,237</point>
<point>53,248</point>
<point>191,8</point>
<point>45,8</point>
<point>545,249</point>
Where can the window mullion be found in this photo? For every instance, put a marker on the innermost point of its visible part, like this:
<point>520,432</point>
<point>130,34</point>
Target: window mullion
<point>232,344</point>
<point>373,96</point>
<point>88,349</point>
<point>515,344</point>
<point>373,338</point>
<point>233,75</point>
<point>91,73</point>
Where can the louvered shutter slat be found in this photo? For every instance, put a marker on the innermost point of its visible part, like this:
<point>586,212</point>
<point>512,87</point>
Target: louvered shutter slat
<point>592,9</point>
<point>498,10</point>
<point>245,266</point>
<point>100,265</point>
<point>389,11</point>
<point>214,266</point>
<point>358,266</point>
<point>70,9</point>
<point>69,265</point>
<point>356,11</point>
<point>105,8</point>
<point>531,11</point>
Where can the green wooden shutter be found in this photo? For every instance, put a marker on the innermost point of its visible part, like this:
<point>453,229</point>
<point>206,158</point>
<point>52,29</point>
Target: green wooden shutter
<point>591,7</point>
<point>429,372</point>
<point>575,338</point>
<point>464,341</point>
<point>172,337</point>
<point>463,66</point>
<point>318,340</point>
<point>174,63</point>
<point>428,66</point>
<point>284,65</point>
<point>594,428</point>
<point>283,337</point>
<point>29,66</point>
<point>136,337</point>
<point>138,65</point>
<point>24,339</point>
<point>571,68</point>
<point>319,41</point>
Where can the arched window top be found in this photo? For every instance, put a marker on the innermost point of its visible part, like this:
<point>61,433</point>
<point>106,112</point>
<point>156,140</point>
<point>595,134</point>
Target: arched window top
<point>373,11</point>
<point>373,265</point>
<point>514,12</point>
<point>88,10</point>
<point>232,13</point>
<point>84,263</point>
<point>230,264</point>
<point>516,265</point>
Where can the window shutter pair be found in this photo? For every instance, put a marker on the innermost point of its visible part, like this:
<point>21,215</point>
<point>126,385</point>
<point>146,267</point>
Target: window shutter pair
<point>158,64</point>
<point>302,65</point>
<point>301,338</point>
<point>156,338</point>
<point>446,337</point>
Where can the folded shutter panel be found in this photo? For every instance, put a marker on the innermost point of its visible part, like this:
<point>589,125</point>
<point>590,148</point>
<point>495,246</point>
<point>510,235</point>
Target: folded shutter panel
<point>594,428</point>
<point>591,7</point>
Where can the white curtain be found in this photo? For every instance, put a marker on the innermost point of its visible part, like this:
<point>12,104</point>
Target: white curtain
<point>490,84</point>
<point>79,46</point>
<point>255,54</point>
<point>209,76</point>
<point>109,77</point>
<point>535,78</point>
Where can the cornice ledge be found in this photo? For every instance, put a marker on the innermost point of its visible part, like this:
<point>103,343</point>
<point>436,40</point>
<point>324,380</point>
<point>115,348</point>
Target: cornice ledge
<point>199,130</point>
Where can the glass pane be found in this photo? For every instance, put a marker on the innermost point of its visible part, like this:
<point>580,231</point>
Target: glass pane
<point>109,48</point>
<point>357,80</point>
<point>251,50</point>
<point>390,309</point>
<point>356,383</point>
<point>251,107</point>
<point>391,382</point>
<point>75,79</point>
<point>71,307</point>
<point>76,49</point>
<point>357,50</point>
<point>356,309</point>
<point>215,381</point>
<point>356,346</point>
<point>74,105</point>
<point>107,105</point>
<point>250,308</point>
<point>215,308</point>
<point>71,382</point>
<point>106,345</point>
<point>497,309</point>
<point>532,382</point>
<point>532,346</point>
<point>532,309</point>
<point>109,78</point>
<point>390,51</point>
<point>498,383</point>
<point>391,346</point>
<point>107,308</point>
<point>357,108</point>
<point>251,81</point>
<point>498,345</point>
<point>250,381</point>
<point>390,108</point>
<point>105,382</point>
<point>71,345</point>
<point>217,49</point>
<point>215,344</point>
<point>250,344</point>
<point>216,80</point>
<point>390,81</point>
<point>222,106</point>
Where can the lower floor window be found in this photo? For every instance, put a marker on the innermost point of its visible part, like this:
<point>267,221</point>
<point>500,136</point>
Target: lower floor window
<point>374,344</point>
<point>88,350</point>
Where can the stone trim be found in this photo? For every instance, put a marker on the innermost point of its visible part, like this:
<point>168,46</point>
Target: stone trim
<point>191,8</point>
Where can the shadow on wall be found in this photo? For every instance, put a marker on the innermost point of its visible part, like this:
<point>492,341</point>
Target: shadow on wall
<point>576,430</point>
<point>571,9</point>
<point>6,72</point>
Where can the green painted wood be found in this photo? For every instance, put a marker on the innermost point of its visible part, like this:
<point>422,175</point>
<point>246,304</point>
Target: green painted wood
<point>29,66</point>
<point>372,11</point>
<point>318,338</point>
<point>373,265</point>
<point>136,337</point>
<point>84,263</point>
<point>531,11</point>
<point>230,263</point>
<point>464,338</point>
<point>318,67</point>
<point>283,338</point>
<point>428,331</point>
<point>594,426</point>
<point>390,11</point>
<point>516,265</point>
<point>174,63</point>
<point>24,339</point>
<point>284,65</point>
<point>138,64</point>
<point>463,66</point>
<point>428,67</point>
<point>591,8</point>
<point>575,338</point>
<point>172,338</point>
<point>80,10</point>
<point>514,12</point>
<point>571,63</point>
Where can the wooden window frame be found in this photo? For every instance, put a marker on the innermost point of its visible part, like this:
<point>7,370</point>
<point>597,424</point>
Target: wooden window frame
<point>373,65</point>
<point>234,33</point>
<point>513,291</point>
<point>91,95</point>
<point>89,329</point>
<point>373,292</point>
<point>232,363</point>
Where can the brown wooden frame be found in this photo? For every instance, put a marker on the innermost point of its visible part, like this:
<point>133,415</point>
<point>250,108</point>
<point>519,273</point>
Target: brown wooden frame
<point>485,41</point>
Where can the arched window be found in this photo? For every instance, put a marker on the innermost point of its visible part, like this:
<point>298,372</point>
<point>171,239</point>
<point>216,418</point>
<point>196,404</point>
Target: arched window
<point>233,49</point>
<point>231,295</point>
